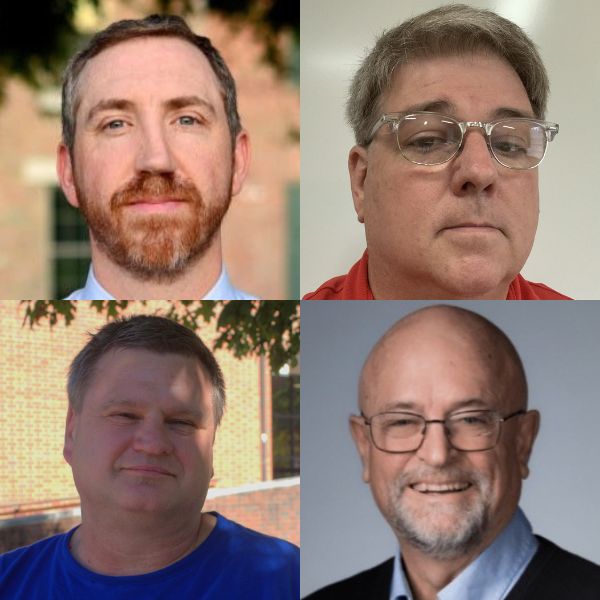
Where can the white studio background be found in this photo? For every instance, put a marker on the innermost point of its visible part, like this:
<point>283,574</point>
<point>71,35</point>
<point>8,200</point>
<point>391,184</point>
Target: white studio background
<point>334,37</point>
<point>342,530</point>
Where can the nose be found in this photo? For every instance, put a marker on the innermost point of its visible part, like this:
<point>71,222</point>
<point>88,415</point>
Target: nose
<point>435,448</point>
<point>475,170</point>
<point>154,153</point>
<point>151,438</point>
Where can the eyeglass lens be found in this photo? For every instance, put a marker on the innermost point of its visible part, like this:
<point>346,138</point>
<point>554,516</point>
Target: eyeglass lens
<point>403,432</point>
<point>434,139</point>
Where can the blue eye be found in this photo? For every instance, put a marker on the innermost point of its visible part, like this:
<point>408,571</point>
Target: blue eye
<point>188,120</point>
<point>116,124</point>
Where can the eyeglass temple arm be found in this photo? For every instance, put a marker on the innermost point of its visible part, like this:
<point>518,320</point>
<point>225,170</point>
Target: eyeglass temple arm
<point>519,412</point>
<point>551,131</point>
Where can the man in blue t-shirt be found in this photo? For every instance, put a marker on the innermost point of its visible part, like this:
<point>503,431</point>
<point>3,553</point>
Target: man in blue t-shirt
<point>145,399</point>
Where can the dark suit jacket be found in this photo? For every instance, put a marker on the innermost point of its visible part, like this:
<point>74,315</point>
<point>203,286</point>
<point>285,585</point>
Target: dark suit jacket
<point>552,574</point>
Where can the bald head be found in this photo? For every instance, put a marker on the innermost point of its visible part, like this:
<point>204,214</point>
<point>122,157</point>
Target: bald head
<point>446,365</point>
<point>454,333</point>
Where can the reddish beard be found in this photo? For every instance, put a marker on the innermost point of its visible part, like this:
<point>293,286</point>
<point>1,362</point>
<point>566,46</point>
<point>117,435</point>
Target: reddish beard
<point>155,247</point>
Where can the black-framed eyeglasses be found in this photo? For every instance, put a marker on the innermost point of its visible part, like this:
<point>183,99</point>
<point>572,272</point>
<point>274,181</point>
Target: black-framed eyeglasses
<point>429,138</point>
<point>467,431</point>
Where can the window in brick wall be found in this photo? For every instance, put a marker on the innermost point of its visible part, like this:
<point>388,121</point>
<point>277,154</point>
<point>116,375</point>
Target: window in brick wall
<point>286,423</point>
<point>71,257</point>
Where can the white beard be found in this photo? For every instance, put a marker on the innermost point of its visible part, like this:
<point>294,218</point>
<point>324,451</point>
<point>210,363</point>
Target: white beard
<point>444,530</point>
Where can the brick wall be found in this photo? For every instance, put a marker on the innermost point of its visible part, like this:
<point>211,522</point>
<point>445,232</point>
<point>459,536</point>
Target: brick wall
<point>272,508</point>
<point>255,231</point>
<point>33,404</point>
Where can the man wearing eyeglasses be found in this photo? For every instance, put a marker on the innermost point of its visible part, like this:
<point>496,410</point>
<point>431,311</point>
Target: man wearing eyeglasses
<point>445,436</point>
<point>448,112</point>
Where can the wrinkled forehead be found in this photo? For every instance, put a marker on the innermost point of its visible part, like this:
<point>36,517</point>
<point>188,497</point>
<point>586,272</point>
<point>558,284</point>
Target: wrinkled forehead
<point>148,70</point>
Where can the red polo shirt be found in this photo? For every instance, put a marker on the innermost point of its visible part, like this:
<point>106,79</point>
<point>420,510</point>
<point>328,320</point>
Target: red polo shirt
<point>355,286</point>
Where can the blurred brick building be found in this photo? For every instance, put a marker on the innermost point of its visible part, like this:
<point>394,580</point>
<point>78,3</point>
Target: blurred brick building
<point>35,481</point>
<point>42,242</point>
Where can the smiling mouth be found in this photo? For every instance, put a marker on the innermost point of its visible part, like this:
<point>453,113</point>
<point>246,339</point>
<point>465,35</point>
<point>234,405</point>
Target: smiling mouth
<point>441,488</point>
<point>149,470</point>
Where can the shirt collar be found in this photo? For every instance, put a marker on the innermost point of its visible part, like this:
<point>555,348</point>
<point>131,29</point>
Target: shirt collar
<point>491,575</point>
<point>222,290</point>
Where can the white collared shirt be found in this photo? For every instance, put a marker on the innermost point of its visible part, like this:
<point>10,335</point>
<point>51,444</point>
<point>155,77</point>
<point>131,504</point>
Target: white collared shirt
<point>491,575</point>
<point>222,290</point>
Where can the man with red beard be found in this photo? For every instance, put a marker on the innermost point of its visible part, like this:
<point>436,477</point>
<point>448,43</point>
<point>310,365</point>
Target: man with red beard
<point>151,153</point>
<point>445,436</point>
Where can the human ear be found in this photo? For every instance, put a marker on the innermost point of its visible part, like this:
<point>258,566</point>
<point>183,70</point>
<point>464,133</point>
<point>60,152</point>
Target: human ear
<point>64,170</point>
<point>360,436</point>
<point>528,429</point>
<point>70,433</point>
<point>357,167</point>
<point>241,161</point>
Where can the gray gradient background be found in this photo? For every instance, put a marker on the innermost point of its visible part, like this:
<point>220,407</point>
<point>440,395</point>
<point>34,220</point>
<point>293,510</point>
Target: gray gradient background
<point>342,531</point>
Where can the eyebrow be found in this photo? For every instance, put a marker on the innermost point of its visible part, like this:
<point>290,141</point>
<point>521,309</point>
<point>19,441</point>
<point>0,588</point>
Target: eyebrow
<point>126,403</point>
<point>171,104</point>
<point>475,403</point>
<point>448,108</point>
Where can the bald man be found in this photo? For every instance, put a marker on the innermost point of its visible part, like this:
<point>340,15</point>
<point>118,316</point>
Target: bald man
<point>445,436</point>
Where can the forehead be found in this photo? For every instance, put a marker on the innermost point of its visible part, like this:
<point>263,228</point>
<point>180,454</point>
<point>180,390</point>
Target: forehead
<point>429,367</point>
<point>141,375</point>
<point>471,83</point>
<point>149,70</point>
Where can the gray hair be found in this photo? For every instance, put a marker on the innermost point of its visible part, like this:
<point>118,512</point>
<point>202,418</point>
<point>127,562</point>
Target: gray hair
<point>147,332</point>
<point>447,30</point>
<point>152,26</point>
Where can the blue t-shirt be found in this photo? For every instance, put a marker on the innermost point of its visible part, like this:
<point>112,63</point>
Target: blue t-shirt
<point>233,562</point>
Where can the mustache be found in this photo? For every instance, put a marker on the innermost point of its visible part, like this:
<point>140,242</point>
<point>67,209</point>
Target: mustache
<point>154,185</point>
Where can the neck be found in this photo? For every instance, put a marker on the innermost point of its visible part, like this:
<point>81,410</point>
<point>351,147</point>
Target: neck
<point>194,282</point>
<point>387,283</point>
<point>127,547</point>
<point>427,575</point>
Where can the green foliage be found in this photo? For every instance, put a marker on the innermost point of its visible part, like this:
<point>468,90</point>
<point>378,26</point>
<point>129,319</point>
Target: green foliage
<point>269,18</point>
<point>245,328</point>
<point>36,39</point>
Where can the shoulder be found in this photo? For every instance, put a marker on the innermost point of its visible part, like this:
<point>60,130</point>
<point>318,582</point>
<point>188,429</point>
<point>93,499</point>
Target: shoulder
<point>352,286</point>
<point>554,574</point>
<point>330,290</point>
<point>543,292</point>
<point>521,289</point>
<point>76,295</point>
<point>244,559</point>
<point>372,584</point>
<point>26,553</point>
<point>244,543</point>
<point>29,567</point>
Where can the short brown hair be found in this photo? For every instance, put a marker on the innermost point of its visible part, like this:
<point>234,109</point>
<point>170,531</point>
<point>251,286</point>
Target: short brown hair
<point>444,31</point>
<point>147,332</point>
<point>152,26</point>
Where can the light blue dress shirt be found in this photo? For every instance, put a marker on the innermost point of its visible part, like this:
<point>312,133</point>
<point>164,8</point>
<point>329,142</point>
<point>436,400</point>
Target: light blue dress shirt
<point>222,290</point>
<point>491,575</point>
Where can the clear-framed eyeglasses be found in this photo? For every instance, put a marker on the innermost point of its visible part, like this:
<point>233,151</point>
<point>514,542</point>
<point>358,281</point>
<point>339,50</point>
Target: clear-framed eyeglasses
<point>429,138</point>
<point>467,431</point>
